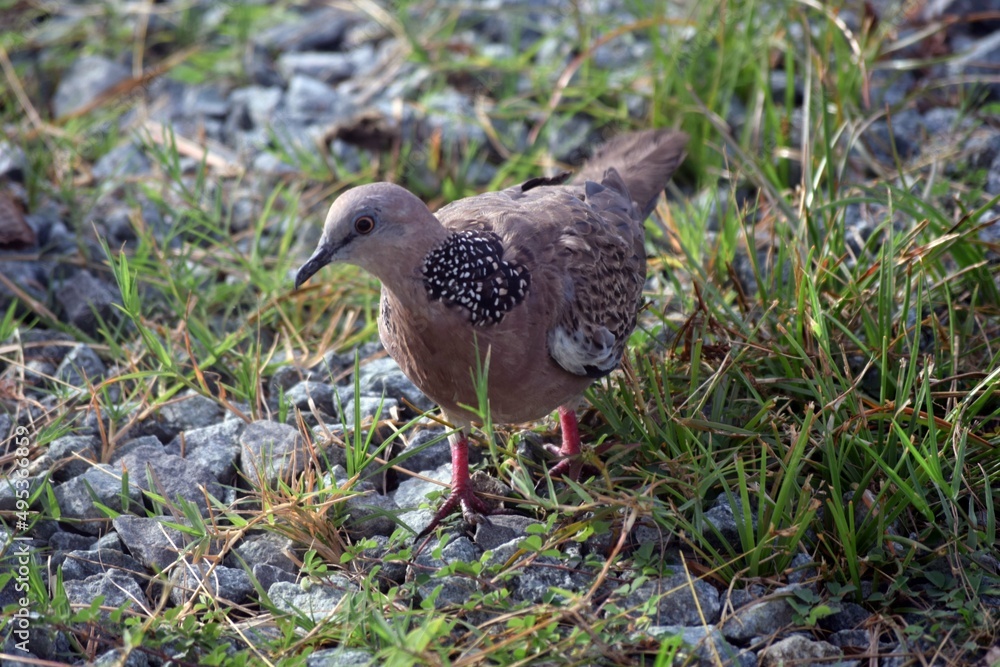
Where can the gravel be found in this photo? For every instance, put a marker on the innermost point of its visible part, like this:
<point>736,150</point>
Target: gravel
<point>314,82</point>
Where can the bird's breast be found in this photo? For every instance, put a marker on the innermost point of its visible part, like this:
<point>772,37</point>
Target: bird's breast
<point>440,350</point>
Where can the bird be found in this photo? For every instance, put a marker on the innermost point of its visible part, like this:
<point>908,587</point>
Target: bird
<point>537,285</point>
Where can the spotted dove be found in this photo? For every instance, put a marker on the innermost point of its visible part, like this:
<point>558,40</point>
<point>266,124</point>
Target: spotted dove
<point>543,280</point>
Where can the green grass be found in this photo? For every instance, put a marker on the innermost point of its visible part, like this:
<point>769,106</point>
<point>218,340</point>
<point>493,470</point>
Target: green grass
<point>840,396</point>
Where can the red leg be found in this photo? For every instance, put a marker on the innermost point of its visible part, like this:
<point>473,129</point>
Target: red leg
<point>570,464</point>
<point>462,496</point>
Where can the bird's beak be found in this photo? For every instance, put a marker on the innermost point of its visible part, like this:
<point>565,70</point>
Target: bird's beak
<point>319,259</point>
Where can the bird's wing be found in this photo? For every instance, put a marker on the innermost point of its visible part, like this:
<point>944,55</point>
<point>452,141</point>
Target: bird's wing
<point>581,248</point>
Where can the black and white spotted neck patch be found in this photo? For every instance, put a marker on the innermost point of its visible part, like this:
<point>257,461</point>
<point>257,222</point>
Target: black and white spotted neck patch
<point>468,270</point>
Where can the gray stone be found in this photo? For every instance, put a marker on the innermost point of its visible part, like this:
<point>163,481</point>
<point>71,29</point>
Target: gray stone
<point>849,617</point>
<point>43,642</point>
<point>500,556</point>
<point>325,66</point>
<point>215,447</point>
<point>721,516</point>
<point>272,451</point>
<point>227,584</point>
<point>268,163</point>
<point>384,377</point>
<point>10,488</point>
<point>128,446</point>
<point>333,367</point>
<point>126,160</point>
<point>993,178</point>
<point>76,503</point>
<point>319,393</point>
<point>243,213</point>
<point>63,541</point>
<point>74,455</point>
<point>53,236</point>
<point>120,657</point>
<point>890,88</point>
<point>369,407</point>
<point>205,100</point>
<point>767,617</point>
<point>12,160</point>
<point>285,378</point>
<point>450,112</point>
<point>370,514</point>
<point>26,658</point>
<point>568,136</point>
<point>311,101</point>
<point>345,394</point>
<point>117,589</point>
<point>672,601</point>
<point>38,373</point>
<point>31,277</point>
<point>340,657</point>
<point>981,57</point>
<point>501,529</point>
<point>454,590</point>
<point>541,575</point>
<point>150,541</point>
<point>267,575</point>
<point>87,563</point>
<point>81,366</point>
<point>416,520</point>
<point>420,455</point>
<point>741,597</point>
<point>643,533</point>
<point>901,134</point>
<point>988,10</point>
<point>990,231</point>
<point>87,78</point>
<point>320,29</point>
<point>982,148</point>
<point>433,557</point>
<point>253,106</point>
<point>109,541</point>
<point>412,492</point>
<point>188,412</point>
<point>338,477</point>
<point>858,640</point>
<point>797,650</point>
<point>153,470</point>
<point>705,645</point>
<point>802,570</point>
<point>940,121</point>
<point>317,603</point>
<point>264,548</point>
<point>391,571</point>
<point>447,591</point>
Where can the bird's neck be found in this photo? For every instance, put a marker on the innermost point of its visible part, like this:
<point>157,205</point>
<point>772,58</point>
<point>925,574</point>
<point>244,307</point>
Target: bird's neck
<point>399,264</point>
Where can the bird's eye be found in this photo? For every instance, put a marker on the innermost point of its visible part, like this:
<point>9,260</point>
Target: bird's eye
<point>364,225</point>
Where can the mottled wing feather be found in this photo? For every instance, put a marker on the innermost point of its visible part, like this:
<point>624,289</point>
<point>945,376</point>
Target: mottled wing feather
<point>605,261</point>
<point>468,270</point>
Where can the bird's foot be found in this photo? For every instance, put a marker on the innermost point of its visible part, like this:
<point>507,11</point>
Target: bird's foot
<point>571,464</point>
<point>465,499</point>
<point>568,467</point>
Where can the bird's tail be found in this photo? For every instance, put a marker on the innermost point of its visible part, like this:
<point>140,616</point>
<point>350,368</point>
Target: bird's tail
<point>645,160</point>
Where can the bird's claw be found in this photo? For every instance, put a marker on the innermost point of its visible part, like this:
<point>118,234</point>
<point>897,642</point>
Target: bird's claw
<point>473,509</point>
<point>569,467</point>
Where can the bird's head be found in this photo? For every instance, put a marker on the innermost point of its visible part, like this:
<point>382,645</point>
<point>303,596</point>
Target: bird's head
<point>380,227</point>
